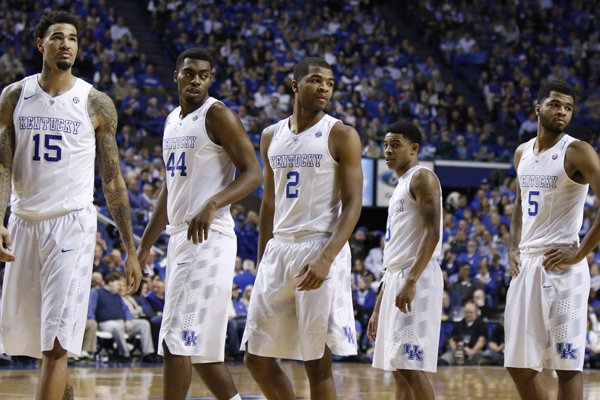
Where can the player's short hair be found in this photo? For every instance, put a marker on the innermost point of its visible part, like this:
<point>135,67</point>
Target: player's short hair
<point>557,85</point>
<point>408,130</point>
<point>55,17</point>
<point>194,53</point>
<point>302,67</point>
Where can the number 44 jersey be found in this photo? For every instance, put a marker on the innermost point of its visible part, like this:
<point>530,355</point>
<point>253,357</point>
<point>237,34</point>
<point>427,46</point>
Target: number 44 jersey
<point>552,203</point>
<point>55,144</point>
<point>306,181</point>
<point>196,168</point>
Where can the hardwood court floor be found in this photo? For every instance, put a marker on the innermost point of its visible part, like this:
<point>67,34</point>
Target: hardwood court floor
<point>353,381</point>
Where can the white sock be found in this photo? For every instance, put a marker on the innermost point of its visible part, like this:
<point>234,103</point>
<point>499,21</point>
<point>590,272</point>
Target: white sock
<point>236,397</point>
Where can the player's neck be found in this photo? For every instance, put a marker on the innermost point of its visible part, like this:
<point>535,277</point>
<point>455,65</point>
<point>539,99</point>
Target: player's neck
<point>303,119</point>
<point>56,82</point>
<point>402,170</point>
<point>546,139</point>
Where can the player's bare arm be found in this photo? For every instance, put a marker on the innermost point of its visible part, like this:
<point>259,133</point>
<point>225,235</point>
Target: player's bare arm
<point>156,225</point>
<point>581,165</point>
<point>8,101</point>
<point>104,119</point>
<point>425,188</point>
<point>374,320</point>
<point>514,254</point>
<point>344,145</point>
<point>225,129</point>
<point>267,205</point>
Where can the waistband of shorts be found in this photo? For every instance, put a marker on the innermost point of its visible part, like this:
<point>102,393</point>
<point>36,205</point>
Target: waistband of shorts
<point>399,267</point>
<point>539,251</point>
<point>45,217</point>
<point>301,236</point>
<point>175,229</point>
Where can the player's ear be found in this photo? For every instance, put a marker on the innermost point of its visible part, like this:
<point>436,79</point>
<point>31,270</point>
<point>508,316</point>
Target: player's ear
<point>537,110</point>
<point>39,43</point>
<point>175,76</point>
<point>294,85</point>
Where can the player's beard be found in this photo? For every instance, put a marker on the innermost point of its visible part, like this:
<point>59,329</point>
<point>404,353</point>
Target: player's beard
<point>63,65</point>
<point>548,125</point>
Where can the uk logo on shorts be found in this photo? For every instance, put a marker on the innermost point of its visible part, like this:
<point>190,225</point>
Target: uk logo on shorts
<point>189,337</point>
<point>413,351</point>
<point>566,351</point>
<point>348,334</point>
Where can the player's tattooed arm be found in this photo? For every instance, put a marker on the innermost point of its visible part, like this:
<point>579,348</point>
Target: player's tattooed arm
<point>8,101</point>
<point>104,117</point>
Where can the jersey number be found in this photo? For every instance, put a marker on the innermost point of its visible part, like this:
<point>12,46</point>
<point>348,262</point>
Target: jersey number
<point>291,191</point>
<point>533,203</point>
<point>53,151</point>
<point>171,166</point>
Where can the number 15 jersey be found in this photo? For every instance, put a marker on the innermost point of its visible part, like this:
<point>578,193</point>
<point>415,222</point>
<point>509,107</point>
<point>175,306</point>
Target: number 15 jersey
<point>306,182</point>
<point>552,203</point>
<point>55,146</point>
<point>197,168</point>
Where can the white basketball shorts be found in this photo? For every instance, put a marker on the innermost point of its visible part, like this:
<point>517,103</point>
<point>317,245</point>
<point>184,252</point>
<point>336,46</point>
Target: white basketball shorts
<point>47,288</point>
<point>197,296</point>
<point>410,340</point>
<point>546,317</point>
<point>286,323</point>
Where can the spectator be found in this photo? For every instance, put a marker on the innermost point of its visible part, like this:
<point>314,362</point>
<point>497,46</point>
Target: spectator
<point>469,337</point>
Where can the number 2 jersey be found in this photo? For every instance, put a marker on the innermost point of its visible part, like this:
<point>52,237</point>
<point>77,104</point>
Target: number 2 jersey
<point>306,181</point>
<point>55,146</point>
<point>196,168</point>
<point>552,203</point>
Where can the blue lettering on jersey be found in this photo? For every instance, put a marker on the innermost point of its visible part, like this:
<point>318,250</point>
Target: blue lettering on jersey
<point>183,142</point>
<point>538,181</point>
<point>348,334</point>
<point>566,351</point>
<point>49,124</point>
<point>189,337</point>
<point>295,160</point>
<point>413,351</point>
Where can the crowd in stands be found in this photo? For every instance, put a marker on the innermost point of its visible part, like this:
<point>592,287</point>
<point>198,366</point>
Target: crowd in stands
<point>380,78</point>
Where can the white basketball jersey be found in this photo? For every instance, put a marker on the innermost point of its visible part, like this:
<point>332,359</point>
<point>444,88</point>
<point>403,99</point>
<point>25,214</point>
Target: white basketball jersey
<point>55,150</point>
<point>307,192</point>
<point>197,168</point>
<point>404,227</point>
<point>552,203</point>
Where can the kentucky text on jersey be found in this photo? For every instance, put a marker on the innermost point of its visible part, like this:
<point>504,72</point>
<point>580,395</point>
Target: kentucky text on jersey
<point>183,142</point>
<point>49,124</point>
<point>541,181</point>
<point>295,160</point>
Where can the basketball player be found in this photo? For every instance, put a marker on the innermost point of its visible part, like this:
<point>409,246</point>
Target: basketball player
<point>51,124</point>
<point>203,144</point>
<point>301,304</point>
<point>406,321</point>
<point>546,304</point>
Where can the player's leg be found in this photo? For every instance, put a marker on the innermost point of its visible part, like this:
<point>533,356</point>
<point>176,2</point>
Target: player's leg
<point>570,385</point>
<point>69,392</point>
<point>418,384</point>
<point>529,383</point>
<point>53,374</point>
<point>402,388</point>
<point>218,380</point>
<point>320,377</point>
<point>177,375</point>
<point>271,379</point>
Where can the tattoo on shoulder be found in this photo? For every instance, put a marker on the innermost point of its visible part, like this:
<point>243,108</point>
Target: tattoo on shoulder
<point>100,106</point>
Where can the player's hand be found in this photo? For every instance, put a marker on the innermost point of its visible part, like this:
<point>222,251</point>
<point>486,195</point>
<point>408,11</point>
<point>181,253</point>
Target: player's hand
<point>514,259</point>
<point>5,245</point>
<point>133,274</point>
<point>313,274</point>
<point>142,255</point>
<point>200,223</point>
<point>373,325</point>
<point>560,258</point>
<point>406,295</point>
